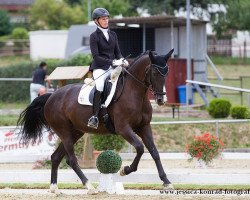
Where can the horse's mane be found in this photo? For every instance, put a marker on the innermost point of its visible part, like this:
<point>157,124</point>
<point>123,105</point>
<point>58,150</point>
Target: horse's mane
<point>137,58</point>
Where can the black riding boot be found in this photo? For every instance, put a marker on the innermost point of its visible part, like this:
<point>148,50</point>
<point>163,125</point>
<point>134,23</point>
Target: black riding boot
<point>93,121</point>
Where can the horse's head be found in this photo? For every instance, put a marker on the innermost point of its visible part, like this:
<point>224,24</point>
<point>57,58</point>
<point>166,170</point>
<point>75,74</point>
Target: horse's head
<point>157,74</point>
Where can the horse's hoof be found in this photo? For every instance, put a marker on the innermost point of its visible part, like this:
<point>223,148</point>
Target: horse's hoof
<point>168,186</point>
<point>91,188</point>
<point>92,192</point>
<point>122,172</point>
<point>54,189</point>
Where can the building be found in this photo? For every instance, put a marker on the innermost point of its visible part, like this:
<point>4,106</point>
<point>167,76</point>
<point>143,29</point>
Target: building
<point>17,9</point>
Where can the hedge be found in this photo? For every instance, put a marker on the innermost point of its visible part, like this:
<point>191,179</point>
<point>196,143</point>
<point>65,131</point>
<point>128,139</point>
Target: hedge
<point>219,108</point>
<point>18,91</point>
<point>239,112</point>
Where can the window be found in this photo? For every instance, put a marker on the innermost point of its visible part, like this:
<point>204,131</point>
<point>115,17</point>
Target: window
<point>85,41</point>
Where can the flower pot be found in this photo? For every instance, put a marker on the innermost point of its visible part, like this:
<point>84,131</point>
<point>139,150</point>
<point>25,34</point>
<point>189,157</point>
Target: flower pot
<point>107,184</point>
<point>96,154</point>
<point>201,164</point>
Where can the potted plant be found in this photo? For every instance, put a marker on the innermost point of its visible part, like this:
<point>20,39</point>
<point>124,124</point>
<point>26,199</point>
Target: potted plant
<point>108,163</point>
<point>106,142</point>
<point>205,148</point>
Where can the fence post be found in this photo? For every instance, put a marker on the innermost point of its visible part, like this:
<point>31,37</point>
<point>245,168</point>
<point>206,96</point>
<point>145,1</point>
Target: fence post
<point>245,50</point>
<point>217,128</point>
<point>241,93</point>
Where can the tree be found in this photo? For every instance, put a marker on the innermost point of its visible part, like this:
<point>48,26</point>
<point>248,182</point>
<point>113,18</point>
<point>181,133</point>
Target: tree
<point>170,6</point>
<point>115,7</point>
<point>73,2</point>
<point>236,17</point>
<point>5,26</point>
<point>51,14</point>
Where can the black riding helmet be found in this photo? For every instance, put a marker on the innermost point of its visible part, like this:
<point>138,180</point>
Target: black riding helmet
<point>99,12</point>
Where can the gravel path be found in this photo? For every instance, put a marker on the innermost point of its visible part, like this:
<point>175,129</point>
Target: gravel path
<point>12,194</point>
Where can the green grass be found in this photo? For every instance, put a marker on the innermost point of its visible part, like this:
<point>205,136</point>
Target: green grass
<point>16,105</point>
<point>222,60</point>
<point>8,120</point>
<point>11,60</point>
<point>126,186</point>
<point>176,137</point>
<point>229,72</point>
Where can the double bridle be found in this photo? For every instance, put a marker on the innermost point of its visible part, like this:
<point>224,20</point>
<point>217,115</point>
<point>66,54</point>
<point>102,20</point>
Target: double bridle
<point>158,68</point>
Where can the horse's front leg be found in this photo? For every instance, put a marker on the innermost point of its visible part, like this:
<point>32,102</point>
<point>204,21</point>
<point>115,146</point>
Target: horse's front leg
<point>128,134</point>
<point>146,134</point>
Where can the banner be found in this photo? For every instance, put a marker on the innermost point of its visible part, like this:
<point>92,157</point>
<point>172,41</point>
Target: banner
<point>12,150</point>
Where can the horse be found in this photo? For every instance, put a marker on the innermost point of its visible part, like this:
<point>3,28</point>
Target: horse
<point>131,114</point>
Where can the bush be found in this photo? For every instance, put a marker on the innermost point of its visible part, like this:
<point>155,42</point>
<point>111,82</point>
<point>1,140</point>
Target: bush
<point>15,91</point>
<point>20,33</point>
<point>107,142</point>
<point>80,60</point>
<point>108,162</point>
<point>239,112</point>
<point>219,108</point>
<point>5,26</point>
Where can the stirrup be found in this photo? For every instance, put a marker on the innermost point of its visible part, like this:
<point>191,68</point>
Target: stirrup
<point>93,122</point>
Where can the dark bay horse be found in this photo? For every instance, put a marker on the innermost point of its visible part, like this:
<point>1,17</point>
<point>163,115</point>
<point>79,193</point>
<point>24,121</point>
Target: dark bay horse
<point>131,115</point>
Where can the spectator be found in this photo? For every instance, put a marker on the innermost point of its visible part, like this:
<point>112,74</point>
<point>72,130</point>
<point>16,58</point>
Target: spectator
<point>39,76</point>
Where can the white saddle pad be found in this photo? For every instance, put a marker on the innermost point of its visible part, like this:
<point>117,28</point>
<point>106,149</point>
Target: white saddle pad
<point>83,97</point>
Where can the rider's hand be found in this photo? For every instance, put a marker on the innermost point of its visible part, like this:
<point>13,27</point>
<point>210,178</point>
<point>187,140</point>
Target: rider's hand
<point>124,62</point>
<point>116,63</point>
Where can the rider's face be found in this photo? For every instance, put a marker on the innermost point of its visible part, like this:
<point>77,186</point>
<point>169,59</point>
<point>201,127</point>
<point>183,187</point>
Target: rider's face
<point>104,22</point>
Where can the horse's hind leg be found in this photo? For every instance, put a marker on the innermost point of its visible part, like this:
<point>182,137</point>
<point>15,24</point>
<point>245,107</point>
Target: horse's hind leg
<point>146,134</point>
<point>56,159</point>
<point>128,134</point>
<point>69,148</point>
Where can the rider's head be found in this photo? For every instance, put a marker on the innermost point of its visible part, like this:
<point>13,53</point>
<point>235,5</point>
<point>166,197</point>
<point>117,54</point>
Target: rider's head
<point>101,17</point>
<point>43,65</point>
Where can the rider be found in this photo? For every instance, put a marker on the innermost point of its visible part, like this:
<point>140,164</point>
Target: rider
<point>106,55</point>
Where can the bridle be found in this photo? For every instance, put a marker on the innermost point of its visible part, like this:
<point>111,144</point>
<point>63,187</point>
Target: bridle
<point>148,68</point>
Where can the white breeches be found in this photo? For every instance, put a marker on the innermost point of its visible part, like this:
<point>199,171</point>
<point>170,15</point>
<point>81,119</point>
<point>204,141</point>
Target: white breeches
<point>100,81</point>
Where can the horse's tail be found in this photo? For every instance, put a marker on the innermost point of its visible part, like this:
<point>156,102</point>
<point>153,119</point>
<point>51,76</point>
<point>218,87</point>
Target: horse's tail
<point>32,120</point>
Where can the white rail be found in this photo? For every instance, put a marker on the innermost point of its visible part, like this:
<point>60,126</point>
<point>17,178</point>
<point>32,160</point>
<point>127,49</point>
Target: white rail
<point>219,86</point>
<point>202,121</point>
<point>214,68</point>
<point>15,79</point>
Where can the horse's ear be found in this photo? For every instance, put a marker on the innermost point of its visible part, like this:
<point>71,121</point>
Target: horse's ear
<point>168,54</point>
<point>151,56</point>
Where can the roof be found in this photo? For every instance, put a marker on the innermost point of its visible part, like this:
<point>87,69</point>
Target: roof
<point>69,73</point>
<point>16,2</point>
<point>154,21</point>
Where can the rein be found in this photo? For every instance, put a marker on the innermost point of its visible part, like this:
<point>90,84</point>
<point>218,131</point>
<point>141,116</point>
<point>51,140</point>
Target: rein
<point>138,81</point>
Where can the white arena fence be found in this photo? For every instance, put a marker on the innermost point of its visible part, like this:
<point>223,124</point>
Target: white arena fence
<point>13,151</point>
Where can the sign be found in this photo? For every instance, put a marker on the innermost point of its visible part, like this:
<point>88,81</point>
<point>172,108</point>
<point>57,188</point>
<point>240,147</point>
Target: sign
<point>12,150</point>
